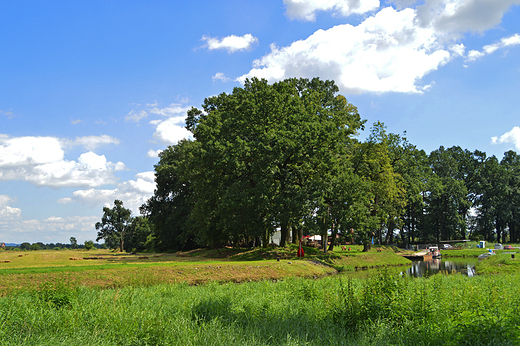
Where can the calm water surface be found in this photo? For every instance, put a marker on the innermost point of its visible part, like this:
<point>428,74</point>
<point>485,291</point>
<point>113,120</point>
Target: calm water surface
<point>464,266</point>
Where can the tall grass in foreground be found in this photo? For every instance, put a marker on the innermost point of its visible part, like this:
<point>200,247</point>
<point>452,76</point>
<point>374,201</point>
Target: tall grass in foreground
<point>381,310</point>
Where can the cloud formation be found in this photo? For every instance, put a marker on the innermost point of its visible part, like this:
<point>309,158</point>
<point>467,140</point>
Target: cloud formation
<point>231,43</point>
<point>491,48</point>
<point>390,51</point>
<point>92,142</point>
<point>171,130</point>
<point>51,230</point>
<point>306,9</point>
<point>453,17</point>
<point>134,193</point>
<point>512,137</point>
<point>386,52</point>
<point>220,76</point>
<point>6,212</point>
<point>40,161</point>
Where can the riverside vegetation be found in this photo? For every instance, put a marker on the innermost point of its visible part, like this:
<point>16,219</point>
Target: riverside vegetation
<point>383,309</point>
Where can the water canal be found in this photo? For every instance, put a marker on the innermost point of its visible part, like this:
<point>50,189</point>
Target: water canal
<point>465,266</point>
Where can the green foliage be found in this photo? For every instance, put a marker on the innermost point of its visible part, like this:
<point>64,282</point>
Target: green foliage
<point>114,224</point>
<point>89,245</point>
<point>283,156</point>
<point>73,243</point>
<point>168,210</point>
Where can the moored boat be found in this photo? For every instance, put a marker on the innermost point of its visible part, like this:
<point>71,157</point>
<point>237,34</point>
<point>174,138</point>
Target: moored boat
<point>434,251</point>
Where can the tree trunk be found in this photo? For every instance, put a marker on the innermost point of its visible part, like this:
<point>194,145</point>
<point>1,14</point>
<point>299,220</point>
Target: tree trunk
<point>294,232</point>
<point>324,241</point>
<point>283,233</point>
<point>333,238</point>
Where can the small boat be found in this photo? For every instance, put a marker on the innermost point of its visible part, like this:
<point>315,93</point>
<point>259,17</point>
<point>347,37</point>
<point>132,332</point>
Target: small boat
<point>434,251</point>
<point>486,255</point>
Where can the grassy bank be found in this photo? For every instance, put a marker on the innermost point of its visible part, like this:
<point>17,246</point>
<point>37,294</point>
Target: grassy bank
<point>104,270</point>
<point>381,310</point>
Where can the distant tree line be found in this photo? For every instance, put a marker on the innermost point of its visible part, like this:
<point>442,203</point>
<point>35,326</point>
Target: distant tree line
<point>88,245</point>
<point>285,157</point>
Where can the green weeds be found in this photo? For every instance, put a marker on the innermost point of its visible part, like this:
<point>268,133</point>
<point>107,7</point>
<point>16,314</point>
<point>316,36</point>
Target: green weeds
<point>381,310</point>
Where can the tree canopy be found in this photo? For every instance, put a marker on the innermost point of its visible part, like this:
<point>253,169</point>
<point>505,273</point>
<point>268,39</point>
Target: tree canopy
<point>113,225</point>
<point>285,156</point>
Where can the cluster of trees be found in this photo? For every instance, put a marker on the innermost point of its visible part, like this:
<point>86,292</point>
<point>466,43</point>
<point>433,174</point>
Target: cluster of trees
<point>285,157</point>
<point>88,245</point>
<point>121,230</point>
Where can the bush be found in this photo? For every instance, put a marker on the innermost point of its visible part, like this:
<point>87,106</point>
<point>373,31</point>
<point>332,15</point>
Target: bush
<point>89,245</point>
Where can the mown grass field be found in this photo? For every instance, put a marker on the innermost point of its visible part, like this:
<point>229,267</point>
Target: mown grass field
<point>103,269</point>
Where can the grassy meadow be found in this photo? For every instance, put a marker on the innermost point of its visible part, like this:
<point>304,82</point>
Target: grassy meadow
<point>380,310</point>
<point>195,298</point>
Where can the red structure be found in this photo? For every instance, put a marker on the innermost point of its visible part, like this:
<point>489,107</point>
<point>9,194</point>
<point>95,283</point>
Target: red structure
<point>300,252</point>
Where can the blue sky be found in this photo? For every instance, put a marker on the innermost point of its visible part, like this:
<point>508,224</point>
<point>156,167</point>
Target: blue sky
<point>91,91</point>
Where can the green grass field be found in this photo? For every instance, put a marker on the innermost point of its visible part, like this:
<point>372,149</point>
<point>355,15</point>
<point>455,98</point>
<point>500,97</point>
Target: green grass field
<point>194,299</point>
<point>380,310</point>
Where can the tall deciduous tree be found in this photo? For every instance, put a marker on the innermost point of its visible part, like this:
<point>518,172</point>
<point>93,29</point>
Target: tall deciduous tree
<point>73,242</point>
<point>447,196</point>
<point>511,166</point>
<point>169,209</point>
<point>260,149</point>
<point>372,161</point>
<point>114,223</point>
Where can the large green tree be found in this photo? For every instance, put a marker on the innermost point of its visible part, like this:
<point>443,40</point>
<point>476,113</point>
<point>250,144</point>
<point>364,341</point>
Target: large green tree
<point>113,225</point>
<point>169,209</point>
<point>447,196</point>
<point>511,167</point>
<point>372,160</point>
<point>260,149</point>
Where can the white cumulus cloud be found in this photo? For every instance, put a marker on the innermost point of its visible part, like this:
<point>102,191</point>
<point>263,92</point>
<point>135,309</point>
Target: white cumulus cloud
<point>51,230</point>
<point>7,212</point>
<point>41,161</point>
<point>231,43</point>
<point>171,130</point>
<point>133,193</point>
<point>306,9</point>
<point>391,50</point>
<point>386,52</point>
<point>220,76</point>
<point>512,137</point>
<point>135,116</point>
<point>153,153</point>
